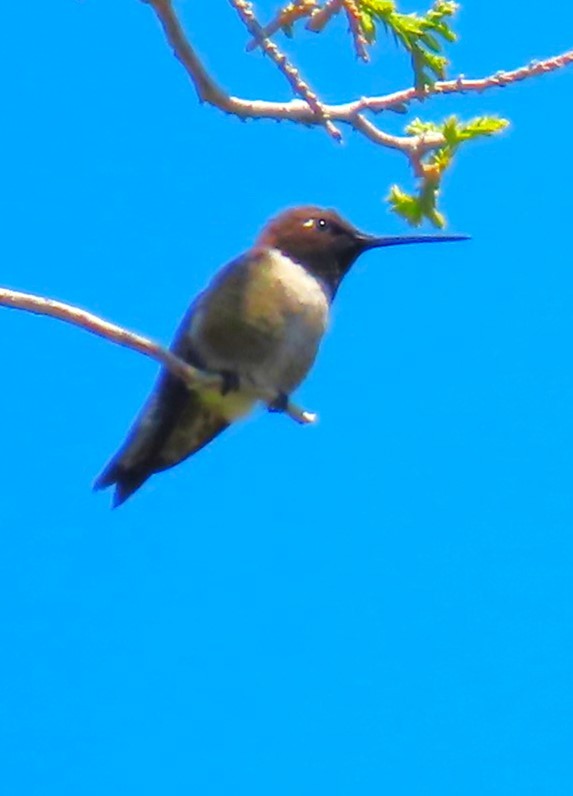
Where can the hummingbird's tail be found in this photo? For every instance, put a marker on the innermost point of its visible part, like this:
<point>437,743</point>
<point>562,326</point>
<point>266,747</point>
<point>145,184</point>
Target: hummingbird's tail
<point>176,423</point>
<point>127,480</point>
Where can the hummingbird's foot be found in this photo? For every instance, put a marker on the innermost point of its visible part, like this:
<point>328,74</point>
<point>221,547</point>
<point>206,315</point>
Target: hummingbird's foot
<point>230,382</point>
<point>280,404</point>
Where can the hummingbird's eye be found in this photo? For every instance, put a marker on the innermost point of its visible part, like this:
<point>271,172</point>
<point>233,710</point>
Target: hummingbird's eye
<point>322,224</point>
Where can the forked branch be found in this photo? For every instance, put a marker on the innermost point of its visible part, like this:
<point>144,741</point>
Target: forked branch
<point>430,148</point>
<point>306,108</point>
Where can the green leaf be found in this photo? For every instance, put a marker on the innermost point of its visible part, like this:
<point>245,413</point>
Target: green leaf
<point>423,205</point>
<point>438,219</point>
<point>368,26</point>
<point>431,42</point>
<point>405,205</point>
<point>422,36</point>
<point>418,127</point>
<point>455,131</point>
<point>484,125</point>
<point>442,158</point>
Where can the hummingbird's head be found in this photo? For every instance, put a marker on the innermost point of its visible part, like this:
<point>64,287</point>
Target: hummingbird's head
<point>326,244</point>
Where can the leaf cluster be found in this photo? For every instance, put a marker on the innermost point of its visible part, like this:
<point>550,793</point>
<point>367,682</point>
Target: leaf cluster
<point>452,132</point>
<point>422,36</point>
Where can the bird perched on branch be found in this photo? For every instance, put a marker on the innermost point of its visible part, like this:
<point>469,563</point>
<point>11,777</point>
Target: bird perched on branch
<point>259,324</point>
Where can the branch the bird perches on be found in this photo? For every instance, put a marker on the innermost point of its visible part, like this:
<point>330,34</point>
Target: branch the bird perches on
<point>39,305</point>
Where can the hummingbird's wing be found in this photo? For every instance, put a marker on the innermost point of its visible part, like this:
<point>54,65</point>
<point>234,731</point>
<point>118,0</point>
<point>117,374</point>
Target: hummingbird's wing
<point>261,318</point>
<point>175,422</point>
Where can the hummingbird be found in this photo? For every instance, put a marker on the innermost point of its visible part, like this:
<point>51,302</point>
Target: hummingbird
<point>259,323</point>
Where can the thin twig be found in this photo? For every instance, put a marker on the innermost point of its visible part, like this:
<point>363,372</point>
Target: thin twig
<point>355,24</point>
<point>299,111</point>
<point>460,85</point>
<point>299,86</point>
<point>39,305</point>
<point>322,17</point>
<point>207,89</point>
<point>309,110</point>
<point>409,144</point>
<point>285,17</point>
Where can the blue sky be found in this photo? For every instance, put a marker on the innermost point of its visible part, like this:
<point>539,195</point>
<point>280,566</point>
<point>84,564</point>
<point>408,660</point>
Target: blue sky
<point>378,604</point>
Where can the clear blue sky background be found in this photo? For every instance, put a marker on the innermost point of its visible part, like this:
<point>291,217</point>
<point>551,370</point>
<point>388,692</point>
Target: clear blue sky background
<point>381,604</point>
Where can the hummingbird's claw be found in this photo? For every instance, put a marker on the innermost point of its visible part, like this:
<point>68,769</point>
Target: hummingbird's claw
<point>230,381</point>
<point>280,403</point>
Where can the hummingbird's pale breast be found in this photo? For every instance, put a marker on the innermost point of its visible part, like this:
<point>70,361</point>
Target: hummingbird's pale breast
<point>262,318</point>
<point>259,322</point>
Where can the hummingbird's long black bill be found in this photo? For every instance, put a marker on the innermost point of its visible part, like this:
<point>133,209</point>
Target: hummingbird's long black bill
<point>374,242</point>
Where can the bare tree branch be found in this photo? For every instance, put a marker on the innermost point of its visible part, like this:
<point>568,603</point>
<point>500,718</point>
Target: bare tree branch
<point>245,11</point>
<point>322,17</point>
<point>408,144</point>
<point>192,377</point>
<point>353,16</point>
<point>312,111</point>
<point>207,89</point>
<point>284,18</point>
